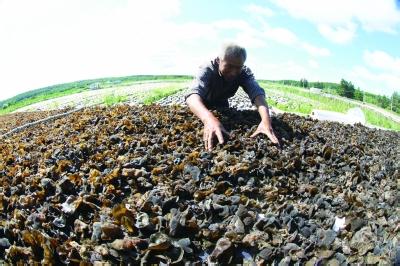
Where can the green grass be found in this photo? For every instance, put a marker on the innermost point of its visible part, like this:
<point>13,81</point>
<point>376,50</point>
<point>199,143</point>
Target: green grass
<point>302,102</point>
<point>295,107</point>
<point>55,91</point>
<point>113,99</point>
<point>379,120</point>
<point>318,101</point>
<point>159,93</point>
<point>37,98</point>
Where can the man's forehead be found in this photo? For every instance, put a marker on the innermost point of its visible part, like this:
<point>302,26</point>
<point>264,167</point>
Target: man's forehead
<point>237,61</point>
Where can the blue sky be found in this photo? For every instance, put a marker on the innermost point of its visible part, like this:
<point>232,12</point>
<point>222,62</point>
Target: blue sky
<point>46,42</point>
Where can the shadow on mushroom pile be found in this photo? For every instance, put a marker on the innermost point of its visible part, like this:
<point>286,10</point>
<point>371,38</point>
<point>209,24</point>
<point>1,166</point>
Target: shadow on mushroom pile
<point>134,185</point>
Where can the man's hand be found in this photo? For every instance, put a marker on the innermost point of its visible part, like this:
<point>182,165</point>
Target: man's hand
<point>213,128</point>
<point>265,126</point>
<point>266,129</point>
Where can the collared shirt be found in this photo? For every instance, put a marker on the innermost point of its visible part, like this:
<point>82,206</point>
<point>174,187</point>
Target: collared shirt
<point>215,90</point>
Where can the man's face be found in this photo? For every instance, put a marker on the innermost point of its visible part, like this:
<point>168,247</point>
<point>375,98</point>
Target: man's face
<point>230,67</point>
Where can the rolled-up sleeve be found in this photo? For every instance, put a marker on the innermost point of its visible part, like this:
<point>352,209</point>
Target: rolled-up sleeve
<point>201,83</point>
<point>250,85</point>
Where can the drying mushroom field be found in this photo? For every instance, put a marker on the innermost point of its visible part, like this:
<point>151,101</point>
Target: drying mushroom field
<point>133,185</point>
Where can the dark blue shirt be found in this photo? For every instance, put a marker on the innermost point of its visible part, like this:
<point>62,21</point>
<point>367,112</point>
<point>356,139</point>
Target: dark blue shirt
<point>215,90</point>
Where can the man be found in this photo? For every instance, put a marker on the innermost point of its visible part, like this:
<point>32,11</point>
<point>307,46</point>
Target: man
<point>218,81</point>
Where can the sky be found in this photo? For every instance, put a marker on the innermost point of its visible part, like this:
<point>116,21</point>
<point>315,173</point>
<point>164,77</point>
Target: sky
<point>47,42</point>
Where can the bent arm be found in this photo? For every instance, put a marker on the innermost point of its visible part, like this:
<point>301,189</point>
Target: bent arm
<point>265,125</point>
<point>197,106</point>
<point>212,126</point>
<point>263,110</point>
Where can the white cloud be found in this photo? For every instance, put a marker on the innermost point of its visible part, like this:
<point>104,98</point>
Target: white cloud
<point>381,75</point>
<point>49,42</point>
<point>236,24</point>
<point>281,35</point>
<point>317,11</point>
<point>46,42</point>
<point>264,69</point>
<point>244,33</point>
<point>287,37</point>
<point>249,40</point>
<point>378,15</point>
<point>337,20</point>
<point>383,61</point>
<point>312,63</point>
<point>251,37</point>
<point>338,34</point>
<point>379,83</point>
<point>315,51</point>
<point>259,10</point>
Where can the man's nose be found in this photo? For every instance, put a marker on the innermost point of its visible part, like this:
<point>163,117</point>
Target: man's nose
<point>235,72</point>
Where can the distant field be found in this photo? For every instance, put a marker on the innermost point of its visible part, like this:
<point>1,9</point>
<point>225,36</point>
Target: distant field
<point>294,99</point>
<point>56,91</point>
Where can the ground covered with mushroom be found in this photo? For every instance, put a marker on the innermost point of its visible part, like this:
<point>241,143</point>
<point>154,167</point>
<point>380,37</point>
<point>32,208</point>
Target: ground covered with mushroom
<point>10,121</point>
<point>134,185</point>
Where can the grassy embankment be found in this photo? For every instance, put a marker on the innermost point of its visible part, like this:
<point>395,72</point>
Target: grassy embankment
<point>302,101</point>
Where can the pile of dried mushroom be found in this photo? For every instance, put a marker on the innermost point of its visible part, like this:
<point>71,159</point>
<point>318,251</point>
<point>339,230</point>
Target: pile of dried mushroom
<point>134,185</point>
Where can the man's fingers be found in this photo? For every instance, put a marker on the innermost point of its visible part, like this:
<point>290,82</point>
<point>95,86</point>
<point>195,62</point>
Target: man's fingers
<point>225,131</point>
<point>205,139</point>
<point>210,134</point>
<point>255,134</point>
<point>219,136</point>
<point>273,138</point>
<point>209,141</point>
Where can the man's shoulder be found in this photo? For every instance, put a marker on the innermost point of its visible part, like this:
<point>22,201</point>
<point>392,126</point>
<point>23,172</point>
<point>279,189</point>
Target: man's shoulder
<point>208,68</point>
<point>246,72</point>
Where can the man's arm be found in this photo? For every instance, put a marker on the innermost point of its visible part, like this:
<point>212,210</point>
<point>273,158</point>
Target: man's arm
<point>212,126</point>
<point>257,97</point>
<point>197,106</point>
<point>262,108</point>
<point>265,125</point>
